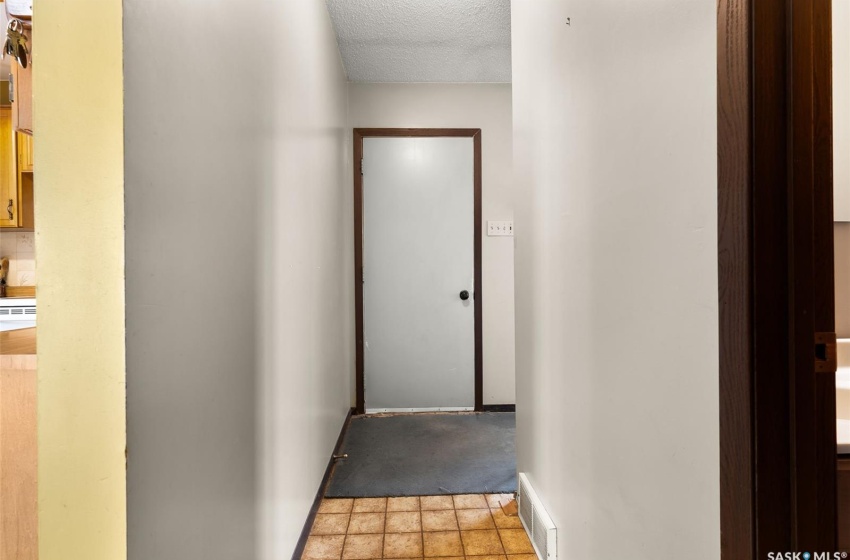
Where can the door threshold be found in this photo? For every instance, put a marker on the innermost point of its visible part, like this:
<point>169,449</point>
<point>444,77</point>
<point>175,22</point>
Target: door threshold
<point>437,409</point>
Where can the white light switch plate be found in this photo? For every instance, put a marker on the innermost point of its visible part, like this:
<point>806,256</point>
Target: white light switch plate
<point>497,229</point>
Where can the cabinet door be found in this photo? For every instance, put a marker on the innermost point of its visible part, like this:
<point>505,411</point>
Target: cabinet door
<point>22,100</point>
<point>24,152</point>
<point>8,172</point>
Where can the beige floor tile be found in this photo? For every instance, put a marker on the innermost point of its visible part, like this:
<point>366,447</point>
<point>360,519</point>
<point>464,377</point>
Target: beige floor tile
<point>363,547</point>
<point>327,547</point>
<point>369,505</point>
<point>522,557</point>
<point>478,543</point>
<point>506,521</point>
<point>444,543</point>
<point>469,519</point>
<point>498,500</point>
<point>403,504</point>
<point>490,557</point>
<point>330,524</point>
<point>342,505</point>
<point>516,541</point>
<point>470,501</point>
<point>403,545</point>
<point>436,502</point>
<point>366,523</point>
<point>404,522</point>
<point>439,520</point>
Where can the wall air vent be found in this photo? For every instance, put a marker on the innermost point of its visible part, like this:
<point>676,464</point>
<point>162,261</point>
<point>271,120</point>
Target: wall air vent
<point>536,521</point>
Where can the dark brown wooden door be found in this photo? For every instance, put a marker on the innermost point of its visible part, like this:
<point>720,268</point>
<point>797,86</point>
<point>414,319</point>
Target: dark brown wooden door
<point>812,294</point>
<point>778,442</point>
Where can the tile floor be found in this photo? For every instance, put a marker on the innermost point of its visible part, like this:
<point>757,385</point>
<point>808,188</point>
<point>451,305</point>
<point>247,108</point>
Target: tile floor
<point>446,527</point>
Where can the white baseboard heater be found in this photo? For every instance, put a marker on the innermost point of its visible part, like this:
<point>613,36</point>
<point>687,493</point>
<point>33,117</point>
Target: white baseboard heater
<point>536,521</point>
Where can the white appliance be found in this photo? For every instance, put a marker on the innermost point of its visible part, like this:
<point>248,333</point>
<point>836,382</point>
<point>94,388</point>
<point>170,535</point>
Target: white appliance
<point>17,313</point>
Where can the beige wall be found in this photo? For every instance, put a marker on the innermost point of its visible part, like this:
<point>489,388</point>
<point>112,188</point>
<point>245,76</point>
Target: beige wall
<point>79,239</point>
<point>488,107</point>
<point>615,157</point>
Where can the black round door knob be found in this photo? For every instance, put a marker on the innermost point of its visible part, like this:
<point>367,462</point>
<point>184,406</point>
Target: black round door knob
<point>464,295</point>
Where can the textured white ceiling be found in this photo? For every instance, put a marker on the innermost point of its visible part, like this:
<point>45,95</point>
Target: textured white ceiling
<point>424,40</point>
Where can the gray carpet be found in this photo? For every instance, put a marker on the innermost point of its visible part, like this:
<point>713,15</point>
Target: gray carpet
<point>427,454</point>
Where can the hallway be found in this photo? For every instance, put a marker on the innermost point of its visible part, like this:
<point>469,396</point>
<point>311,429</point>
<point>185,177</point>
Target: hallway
<point>613,240</point>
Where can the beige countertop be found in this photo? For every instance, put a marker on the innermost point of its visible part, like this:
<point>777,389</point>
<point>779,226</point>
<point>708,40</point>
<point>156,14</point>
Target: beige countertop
<point>17,342</point>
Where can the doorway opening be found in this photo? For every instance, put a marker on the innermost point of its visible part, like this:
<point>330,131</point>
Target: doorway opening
<point>841,225</point>
<point>18,365</point>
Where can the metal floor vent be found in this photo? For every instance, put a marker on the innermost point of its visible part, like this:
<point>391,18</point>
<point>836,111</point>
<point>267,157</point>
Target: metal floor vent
<point>539,526</point>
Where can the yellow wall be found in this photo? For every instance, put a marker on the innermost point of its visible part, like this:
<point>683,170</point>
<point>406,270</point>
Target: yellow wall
<point>79,214</point>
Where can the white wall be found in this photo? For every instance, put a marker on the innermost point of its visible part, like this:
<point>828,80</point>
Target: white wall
<point>616,273</point>
<point>239,273</point>
<point>841,107</point>
<point>488,107</point>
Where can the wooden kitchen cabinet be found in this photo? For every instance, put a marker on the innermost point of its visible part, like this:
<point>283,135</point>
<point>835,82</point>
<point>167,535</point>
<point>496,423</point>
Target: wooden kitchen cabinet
<point>20,90</point>
<point>8,170</point>
<point>16,176</point>
<point>24,148</point>
<point>24,177</point>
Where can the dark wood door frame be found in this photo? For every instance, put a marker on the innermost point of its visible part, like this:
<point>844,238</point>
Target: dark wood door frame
<point>777,415</point>
<point>359,135</point>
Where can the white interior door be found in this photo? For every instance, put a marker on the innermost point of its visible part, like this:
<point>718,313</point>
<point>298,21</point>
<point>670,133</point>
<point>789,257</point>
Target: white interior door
<point>418,256</point>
